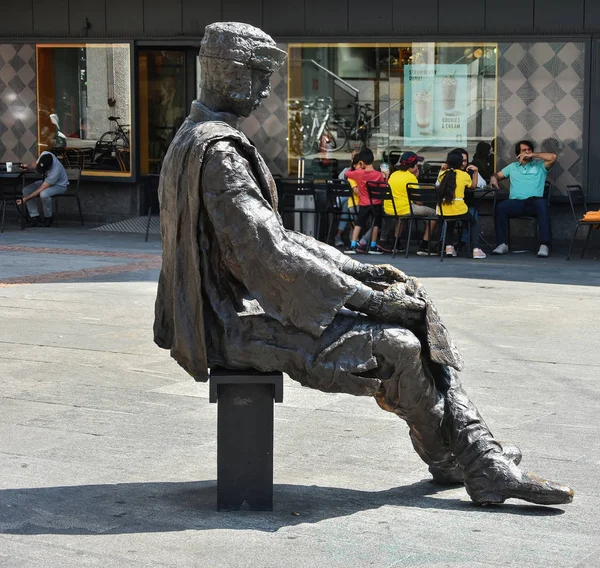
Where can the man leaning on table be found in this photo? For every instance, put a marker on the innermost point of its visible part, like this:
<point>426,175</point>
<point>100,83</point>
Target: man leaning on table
<point>527,179</point>
<point>55,182</point>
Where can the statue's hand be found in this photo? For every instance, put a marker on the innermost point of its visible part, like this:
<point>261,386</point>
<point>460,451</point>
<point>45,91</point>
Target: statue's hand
<point>387,273</point>
<point>397,304</point>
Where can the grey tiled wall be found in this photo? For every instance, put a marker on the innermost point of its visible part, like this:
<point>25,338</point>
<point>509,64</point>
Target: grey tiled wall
<point>541,98</point>
<point>267,127</point>
<point>18,103</point>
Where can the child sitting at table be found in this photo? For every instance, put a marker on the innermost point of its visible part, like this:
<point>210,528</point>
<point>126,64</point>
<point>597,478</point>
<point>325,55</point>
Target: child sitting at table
<point>363,173</point>
<point>451,194</point>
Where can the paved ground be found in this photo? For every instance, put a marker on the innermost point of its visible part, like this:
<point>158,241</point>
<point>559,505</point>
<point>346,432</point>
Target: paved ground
<point>107,449</point>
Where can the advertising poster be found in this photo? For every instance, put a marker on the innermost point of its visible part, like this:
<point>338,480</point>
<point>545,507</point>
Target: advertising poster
<point>435,105</point>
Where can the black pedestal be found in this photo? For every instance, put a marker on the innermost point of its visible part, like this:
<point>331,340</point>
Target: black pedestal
<point>245,436</point>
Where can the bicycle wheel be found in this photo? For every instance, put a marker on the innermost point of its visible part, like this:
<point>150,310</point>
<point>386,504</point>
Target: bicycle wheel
<point>337,138</point>
<point>308,144</point>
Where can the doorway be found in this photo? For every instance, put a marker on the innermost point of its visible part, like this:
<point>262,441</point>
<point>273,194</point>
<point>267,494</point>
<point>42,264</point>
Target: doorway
<point>167,86</point>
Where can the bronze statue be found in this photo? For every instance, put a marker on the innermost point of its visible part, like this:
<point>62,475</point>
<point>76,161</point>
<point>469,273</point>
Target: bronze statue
<point>239,290</point>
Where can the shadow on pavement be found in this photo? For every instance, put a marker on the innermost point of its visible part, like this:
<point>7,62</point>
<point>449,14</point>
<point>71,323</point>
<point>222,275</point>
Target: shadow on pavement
<point>125,508</point>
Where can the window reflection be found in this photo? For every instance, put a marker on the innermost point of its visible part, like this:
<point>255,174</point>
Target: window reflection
<point>84,106</point>
<point>425,97</point>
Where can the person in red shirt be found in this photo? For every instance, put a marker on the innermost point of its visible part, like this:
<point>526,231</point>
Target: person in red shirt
<point>363,173</point>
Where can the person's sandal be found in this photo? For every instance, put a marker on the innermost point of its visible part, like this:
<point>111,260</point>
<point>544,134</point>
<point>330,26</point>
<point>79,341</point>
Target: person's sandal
<point>478,253</point>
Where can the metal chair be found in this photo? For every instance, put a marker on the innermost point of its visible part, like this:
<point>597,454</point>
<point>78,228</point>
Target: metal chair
<point>430,171</point>
<point>297,197</point>
<point>324,168</point>
<point>579,208</point>
<point>337,190</point>
<point>547,195</point>
<point>424,194</point>
<point>445,219</point>
<point>74,176</point>
<point>381,191</point>
<point>394,158</point>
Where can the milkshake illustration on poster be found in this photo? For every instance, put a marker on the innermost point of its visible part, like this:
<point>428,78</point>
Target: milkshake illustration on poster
<point>435,112</point>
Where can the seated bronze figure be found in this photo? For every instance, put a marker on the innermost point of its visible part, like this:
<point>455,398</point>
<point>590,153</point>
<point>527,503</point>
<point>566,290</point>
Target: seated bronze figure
<point>240,291</point>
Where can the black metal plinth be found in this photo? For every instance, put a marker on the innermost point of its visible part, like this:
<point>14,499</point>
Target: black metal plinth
<point>245,436</point>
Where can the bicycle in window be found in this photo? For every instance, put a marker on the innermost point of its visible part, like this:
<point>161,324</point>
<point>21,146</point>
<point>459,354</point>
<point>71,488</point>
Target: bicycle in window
<point>322,130</point>
<point>111,145</point>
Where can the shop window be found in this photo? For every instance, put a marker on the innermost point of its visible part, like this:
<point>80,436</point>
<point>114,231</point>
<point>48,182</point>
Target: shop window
<point>84,106</point>
<point>424,97</point>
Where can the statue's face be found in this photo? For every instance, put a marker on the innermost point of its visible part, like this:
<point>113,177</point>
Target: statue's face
<point>260,89</point>
<point>239,88</point>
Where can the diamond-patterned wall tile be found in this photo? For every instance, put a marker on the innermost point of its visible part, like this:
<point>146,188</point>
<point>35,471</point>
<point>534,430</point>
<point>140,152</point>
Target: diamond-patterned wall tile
<point>554,118</point>
<point>540,132</point>
<point>267,127</point>
<point>528,93</point>
<point>547,77</point>
<point>18,107</point>
<point>568,106</point>
<point>540,78</point>
<point>27,52</point>
<point>541,52</point>
<point>568,79</point>
<point>527,65</point>
<point>554,92</point>
<point>514,79</point>
<point>512,53</point>
<point>555,66</point>
<point>7,51</point>
<point>570,53</point>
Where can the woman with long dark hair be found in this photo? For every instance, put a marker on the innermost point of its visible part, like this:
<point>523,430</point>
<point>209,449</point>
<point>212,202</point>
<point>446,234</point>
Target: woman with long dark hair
<point>451,195</point>
<point>484,160</point>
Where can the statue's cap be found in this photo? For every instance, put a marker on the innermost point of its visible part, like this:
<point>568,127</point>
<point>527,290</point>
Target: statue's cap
<point>243,43</point>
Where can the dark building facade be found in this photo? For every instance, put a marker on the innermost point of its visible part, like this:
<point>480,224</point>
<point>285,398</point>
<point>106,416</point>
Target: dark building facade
<point>428,76</point>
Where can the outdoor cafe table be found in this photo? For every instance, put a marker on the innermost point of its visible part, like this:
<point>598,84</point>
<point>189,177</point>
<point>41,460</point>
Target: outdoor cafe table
<point>8,187</point>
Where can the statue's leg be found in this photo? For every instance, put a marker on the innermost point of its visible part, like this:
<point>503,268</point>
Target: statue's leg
<point>408,389</point>
<point>446,428</point>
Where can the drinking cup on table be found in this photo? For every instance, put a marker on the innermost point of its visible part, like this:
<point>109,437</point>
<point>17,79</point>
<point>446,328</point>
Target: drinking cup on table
<point>9,166</point>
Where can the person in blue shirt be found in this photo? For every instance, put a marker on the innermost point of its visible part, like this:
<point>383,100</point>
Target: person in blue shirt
<point>527,178</point>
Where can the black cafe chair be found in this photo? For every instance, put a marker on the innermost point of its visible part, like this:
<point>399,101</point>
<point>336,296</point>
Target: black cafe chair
<point>547,196</point>
<point>425,194</point>
<point>338,190</point>
<point>381,191</point>
<point>74,177</point>
<point>579,208</point>
<point>288,190</point>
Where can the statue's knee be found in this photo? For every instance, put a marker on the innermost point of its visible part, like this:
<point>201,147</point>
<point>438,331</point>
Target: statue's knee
<point>403,341</point>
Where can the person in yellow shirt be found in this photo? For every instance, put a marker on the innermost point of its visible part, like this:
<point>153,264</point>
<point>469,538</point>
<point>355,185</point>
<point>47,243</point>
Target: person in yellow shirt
<point>407,173</point>
<point>451,194</point>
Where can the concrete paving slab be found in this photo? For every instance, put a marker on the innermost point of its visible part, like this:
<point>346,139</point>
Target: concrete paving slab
<point>108,449</point>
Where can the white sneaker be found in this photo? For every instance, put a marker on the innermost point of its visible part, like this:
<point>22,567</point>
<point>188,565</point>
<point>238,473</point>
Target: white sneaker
<point>450,251</point>
<point>501,249</point>
<point>338,242</point>
<point>543,252</point>
<point>478,253</point>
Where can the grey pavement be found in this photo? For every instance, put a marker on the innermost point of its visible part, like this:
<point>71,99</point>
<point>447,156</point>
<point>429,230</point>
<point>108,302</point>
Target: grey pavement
<point>108,448</point>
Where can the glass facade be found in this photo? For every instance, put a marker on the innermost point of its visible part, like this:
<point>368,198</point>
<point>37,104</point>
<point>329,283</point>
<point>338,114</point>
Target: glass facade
<point>426,97</point>
<point>162,103</point>
<point>84,106</point>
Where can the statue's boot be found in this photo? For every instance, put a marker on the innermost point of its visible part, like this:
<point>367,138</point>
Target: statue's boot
<point>445,427</point>
<point>500,479</point>
<point>489,476</point>
<point>453,474</point>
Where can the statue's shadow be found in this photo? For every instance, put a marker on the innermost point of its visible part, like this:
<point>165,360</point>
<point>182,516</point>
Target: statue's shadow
<point>177,506</point>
